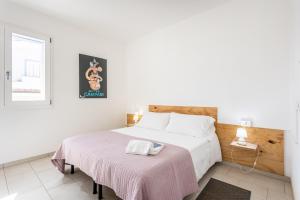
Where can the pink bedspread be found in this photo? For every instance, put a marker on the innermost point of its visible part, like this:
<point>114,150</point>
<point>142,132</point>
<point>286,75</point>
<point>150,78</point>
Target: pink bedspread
<point>170,175</point>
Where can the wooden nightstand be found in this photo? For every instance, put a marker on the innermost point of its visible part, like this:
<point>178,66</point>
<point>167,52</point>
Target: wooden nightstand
<point>248,146</point>
<point>270,147</point>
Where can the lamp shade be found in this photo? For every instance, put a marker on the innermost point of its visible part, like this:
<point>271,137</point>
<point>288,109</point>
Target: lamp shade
<point>136,117</point>
<point>241,133</point>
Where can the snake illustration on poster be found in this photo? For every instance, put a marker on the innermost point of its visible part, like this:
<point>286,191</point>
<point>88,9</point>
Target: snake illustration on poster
<point>92,77</point>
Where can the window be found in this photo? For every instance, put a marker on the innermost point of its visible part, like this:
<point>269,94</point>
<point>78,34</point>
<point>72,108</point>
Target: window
<point>27,68</point>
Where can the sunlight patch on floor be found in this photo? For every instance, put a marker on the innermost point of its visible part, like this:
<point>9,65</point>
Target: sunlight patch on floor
<point>10,197</point>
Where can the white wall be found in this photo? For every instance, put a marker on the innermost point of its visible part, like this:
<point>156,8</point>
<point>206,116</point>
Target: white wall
<point>25,133</point>
<point>295,98</point>
<point>235,57</point>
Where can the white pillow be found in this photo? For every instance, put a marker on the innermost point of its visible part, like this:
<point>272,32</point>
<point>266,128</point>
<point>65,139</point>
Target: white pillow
<point>153,120</point>
<point>191,125</point>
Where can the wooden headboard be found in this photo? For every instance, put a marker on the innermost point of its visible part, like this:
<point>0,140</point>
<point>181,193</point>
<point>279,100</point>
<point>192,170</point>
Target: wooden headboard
<point>270,141</point>
<point>191,110</point>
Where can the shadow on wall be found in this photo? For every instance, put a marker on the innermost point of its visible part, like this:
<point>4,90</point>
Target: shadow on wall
<point>202,6</point>
<point>195,7</point>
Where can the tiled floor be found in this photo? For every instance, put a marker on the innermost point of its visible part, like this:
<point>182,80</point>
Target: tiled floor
<point>39,180</point>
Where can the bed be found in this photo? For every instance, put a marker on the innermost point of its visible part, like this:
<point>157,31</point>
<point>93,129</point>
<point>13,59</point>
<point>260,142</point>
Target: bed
<point>205,152</point>
<point>172,174</point>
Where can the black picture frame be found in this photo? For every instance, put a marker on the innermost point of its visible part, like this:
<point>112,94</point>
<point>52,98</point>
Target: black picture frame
<point>92,77</point>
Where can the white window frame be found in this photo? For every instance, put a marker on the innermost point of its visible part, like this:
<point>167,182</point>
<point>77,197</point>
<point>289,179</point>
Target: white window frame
<point>2,63</point>
<point>8,30</point>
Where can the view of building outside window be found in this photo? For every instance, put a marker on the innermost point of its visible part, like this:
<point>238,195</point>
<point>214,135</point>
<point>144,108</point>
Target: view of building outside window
<point>28,68</point>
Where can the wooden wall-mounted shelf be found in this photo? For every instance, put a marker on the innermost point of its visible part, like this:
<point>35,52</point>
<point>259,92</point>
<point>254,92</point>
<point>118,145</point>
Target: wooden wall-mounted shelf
<point>248,146</point>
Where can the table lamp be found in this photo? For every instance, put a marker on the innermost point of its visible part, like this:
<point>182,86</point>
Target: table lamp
<point>241,134</point>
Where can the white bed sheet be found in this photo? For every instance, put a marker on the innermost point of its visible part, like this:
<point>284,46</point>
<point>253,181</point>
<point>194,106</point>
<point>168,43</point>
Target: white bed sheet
<point>205,152</point>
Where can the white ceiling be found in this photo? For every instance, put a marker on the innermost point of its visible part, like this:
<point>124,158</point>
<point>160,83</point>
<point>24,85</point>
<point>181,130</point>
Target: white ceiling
<point>124,20</point>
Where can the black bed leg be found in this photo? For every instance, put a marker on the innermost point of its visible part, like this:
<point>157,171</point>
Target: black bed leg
<point>72,169</point>
<point>100,192</point>
<point>94,187</point>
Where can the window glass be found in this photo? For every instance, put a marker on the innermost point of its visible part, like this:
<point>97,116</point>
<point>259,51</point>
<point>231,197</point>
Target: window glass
<point>28,68</point>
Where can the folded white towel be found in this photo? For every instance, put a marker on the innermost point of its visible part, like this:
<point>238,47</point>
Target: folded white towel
<point>141,147</point>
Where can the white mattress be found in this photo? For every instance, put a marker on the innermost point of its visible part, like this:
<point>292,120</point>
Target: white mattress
<point>205,152</point>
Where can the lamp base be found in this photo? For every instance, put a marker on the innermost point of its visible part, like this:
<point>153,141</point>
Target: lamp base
<point>242,142</point>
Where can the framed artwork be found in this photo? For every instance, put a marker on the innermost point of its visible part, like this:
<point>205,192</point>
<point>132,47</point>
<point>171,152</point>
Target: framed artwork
<point>92,77</point>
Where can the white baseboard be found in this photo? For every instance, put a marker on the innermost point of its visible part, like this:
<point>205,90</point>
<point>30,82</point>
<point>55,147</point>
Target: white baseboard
<point>18,162</point>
